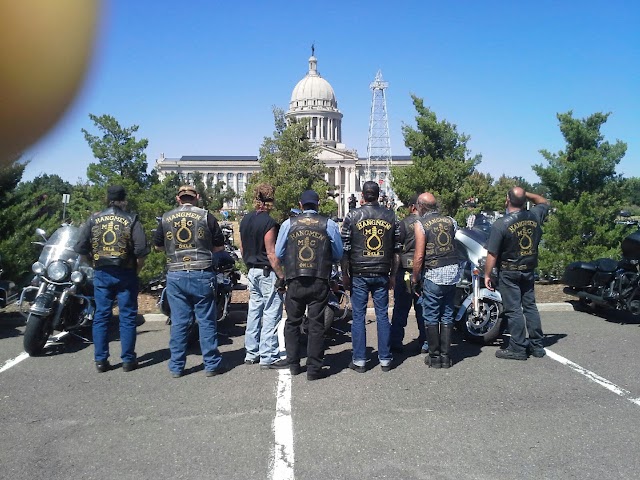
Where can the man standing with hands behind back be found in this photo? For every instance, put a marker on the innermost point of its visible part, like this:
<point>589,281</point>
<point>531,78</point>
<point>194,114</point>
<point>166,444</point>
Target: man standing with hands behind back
<point>513,248</point>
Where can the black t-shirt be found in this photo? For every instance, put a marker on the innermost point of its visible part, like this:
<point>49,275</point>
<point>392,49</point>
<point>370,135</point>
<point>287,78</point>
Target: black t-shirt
<point>253,228</point>
<point>500,238</point>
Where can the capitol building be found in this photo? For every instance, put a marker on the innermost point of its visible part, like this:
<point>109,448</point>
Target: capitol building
<point>314,100</point>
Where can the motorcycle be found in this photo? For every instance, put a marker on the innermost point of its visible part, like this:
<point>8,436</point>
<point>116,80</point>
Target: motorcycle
<point>61,293</point>
<point>8,293</point>
<point>607,282</point>
<point>479,310</point>
<point>227,232</point>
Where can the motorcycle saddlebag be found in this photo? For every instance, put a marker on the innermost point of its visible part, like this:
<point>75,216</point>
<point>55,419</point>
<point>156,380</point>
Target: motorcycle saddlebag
<point>579,274</point>
<point>631,246</point>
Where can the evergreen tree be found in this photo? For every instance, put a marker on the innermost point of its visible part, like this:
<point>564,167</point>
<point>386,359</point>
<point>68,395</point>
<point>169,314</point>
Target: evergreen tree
<point>33,204</point>
<point>586,194</point>
<point>588,163</point>
<point>121,158</point>
<point>288,162</point>
<point>441,160</point>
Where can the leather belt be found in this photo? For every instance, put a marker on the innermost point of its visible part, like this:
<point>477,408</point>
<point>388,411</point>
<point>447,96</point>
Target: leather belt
<point>369,274</point>
<point>190,268</point>
<point>510,267</point>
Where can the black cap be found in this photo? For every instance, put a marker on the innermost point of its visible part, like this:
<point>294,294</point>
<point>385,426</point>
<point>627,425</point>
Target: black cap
<point>308,197</point>
<point>371,188</point>
<point>116,193</point>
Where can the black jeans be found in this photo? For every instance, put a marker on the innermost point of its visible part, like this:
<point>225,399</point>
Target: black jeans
<point>519,303</point>
<point>303,292</point>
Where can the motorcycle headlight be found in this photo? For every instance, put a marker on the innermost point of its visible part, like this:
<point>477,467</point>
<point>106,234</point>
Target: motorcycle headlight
<point>58,271</point>
<point>77,277</point>
<point>37,268</point>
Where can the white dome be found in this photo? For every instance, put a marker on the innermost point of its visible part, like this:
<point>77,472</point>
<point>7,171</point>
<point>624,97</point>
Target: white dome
<point>313,92</point>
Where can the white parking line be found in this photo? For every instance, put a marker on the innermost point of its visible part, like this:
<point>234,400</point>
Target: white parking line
<point>282,466</point>
<point>603,382</point>
<point>14,361</point>
<point>24,355</point>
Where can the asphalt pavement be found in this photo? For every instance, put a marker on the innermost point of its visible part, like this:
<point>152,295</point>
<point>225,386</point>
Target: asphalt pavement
<point>573,414</point>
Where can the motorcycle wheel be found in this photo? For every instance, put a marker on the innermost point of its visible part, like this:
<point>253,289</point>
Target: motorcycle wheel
<point>489,326</point>
<point>36,334</point>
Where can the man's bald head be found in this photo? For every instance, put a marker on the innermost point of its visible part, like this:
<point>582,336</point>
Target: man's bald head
<point>427,203</point>
<point>517,197</point>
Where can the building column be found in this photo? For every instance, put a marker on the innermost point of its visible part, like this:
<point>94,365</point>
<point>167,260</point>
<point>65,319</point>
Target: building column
<point>338,181</point>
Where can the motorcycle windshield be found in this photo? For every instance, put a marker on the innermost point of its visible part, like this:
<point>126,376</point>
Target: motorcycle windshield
<point>471,243</point>
<point>60,246</point>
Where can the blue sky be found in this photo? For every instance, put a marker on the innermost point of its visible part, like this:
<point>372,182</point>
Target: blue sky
<point>201,77</point>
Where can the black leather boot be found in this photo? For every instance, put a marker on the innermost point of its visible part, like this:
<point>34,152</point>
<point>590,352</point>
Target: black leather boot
<point>445,344</point>
<point>433,338</point>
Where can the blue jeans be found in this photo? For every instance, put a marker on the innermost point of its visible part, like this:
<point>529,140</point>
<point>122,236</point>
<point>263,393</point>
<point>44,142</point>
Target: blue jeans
<point>402,300</point>
<point>520,310</point>
<point>437,303</point>
<point>110,283</point>
<point>379,288</point>
<point>263,317</point>
<point>191,295</point>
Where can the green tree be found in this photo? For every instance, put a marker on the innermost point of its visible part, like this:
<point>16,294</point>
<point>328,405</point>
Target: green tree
<point>212,194</point>
<point>586,194</point>
<point>588,163</point>
<point>288,162</point>
<point>631,195</point>
<point>33,204</point>
<point>121,158</point>
<point>583,229</point>
<point>441,160</point>
<point>10,176</point>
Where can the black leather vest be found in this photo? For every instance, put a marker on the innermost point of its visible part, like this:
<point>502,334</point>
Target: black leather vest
<point>372,239</point>
<point>111,240</point>
<point>187,239</point>
<point>409,244</point>
<point>440,249</point>
<point>521,238</point>
<point>308,247</point>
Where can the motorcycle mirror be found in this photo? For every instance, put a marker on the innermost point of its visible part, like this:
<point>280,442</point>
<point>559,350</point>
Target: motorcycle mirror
<point>42,233</point>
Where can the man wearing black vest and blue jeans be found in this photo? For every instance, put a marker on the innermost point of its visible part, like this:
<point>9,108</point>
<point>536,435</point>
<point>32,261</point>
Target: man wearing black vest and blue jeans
<point>371,239</point>
<point>190,236</point>
<point>115,241</point>
<point>435,274</point>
